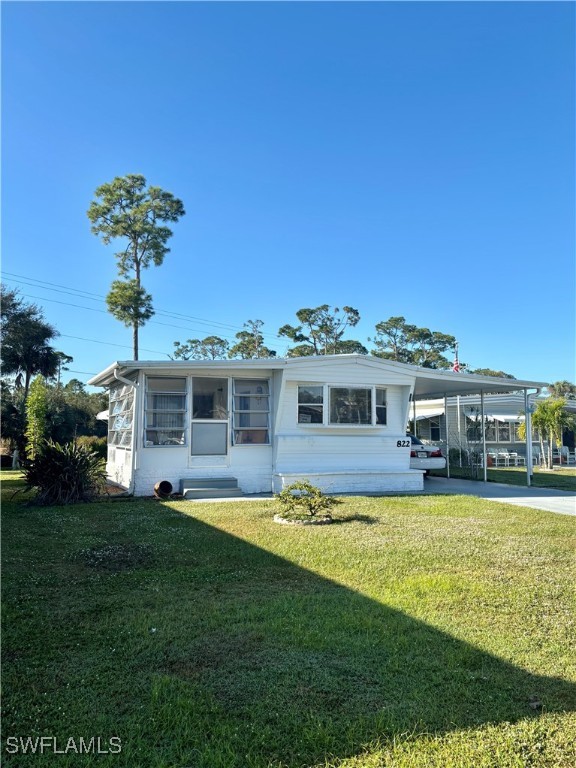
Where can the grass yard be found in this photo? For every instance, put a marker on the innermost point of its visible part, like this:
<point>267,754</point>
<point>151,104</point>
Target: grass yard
<point>563,478</point>
<point>416,631</point>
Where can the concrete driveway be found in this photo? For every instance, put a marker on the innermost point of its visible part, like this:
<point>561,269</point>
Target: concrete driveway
<point>548,499</point>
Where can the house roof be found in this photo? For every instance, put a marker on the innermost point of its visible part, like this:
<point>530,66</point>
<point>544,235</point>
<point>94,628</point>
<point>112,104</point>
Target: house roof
<point>429,382</point>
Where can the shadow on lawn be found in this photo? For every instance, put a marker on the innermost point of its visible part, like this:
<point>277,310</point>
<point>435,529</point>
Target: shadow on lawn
<point>227,655</point>
<point>297,668</point>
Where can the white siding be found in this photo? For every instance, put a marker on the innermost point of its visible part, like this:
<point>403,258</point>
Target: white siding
<point>338,458</point>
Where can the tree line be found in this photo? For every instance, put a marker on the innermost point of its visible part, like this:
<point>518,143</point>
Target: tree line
<point>321,330</point>
<point>28,354</point>
<point>135,215</point>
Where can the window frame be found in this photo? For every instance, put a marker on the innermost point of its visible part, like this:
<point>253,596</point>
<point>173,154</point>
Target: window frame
<point>123,396</point>
<point>326,406</point>
<point>236,412</point>
<point>148,428</point>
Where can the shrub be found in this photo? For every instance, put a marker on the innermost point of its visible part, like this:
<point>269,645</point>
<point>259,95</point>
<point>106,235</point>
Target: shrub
<point>64,474</point>
<point>36,416</point>
<point>98,445</point>
<point>302,499</point>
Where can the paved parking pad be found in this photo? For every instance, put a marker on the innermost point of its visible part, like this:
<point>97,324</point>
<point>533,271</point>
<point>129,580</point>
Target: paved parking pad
<point>548,499</point>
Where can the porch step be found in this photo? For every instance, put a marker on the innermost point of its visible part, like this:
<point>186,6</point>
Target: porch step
<point>209,487</point>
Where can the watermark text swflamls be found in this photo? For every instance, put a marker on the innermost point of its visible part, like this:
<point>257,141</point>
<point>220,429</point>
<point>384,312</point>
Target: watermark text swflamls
<point>79,745</point>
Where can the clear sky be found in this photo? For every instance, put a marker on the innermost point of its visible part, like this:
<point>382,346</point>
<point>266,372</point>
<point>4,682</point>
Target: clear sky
<point>412,159</point>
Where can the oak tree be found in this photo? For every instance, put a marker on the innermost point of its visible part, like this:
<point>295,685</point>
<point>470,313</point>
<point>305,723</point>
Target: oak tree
<point>321,330</point>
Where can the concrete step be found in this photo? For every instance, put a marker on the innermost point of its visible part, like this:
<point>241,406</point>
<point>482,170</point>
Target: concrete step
<point>208,482</point>
<point>209,487</point>
<point>211,493</point>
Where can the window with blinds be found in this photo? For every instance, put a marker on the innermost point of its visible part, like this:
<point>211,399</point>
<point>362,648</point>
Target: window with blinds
<point>251,412</point>
<point>165,411</point>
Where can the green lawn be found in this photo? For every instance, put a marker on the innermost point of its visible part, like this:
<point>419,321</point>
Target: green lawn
<point>563,478</point>
<point>416,631</point>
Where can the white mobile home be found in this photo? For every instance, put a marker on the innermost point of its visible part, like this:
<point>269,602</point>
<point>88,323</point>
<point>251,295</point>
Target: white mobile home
<point>336,420</point>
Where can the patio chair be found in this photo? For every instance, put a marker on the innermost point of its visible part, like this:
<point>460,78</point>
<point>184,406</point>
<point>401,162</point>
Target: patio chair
<point>502,459</point>
<point>571,457</point>
<point>516,459</point>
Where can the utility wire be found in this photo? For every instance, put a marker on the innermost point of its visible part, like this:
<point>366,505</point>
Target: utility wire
<point>111,344</point>
<point>58,287</point>
<point>104,312</point>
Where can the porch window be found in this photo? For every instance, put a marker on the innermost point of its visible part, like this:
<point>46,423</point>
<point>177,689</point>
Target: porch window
<point>121,415</point>
<point>165,411</point>
<point>251,412</point>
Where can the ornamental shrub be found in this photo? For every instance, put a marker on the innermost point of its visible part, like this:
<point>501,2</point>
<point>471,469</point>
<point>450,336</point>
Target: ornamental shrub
<point>302,499</point>
<point>65,474</point>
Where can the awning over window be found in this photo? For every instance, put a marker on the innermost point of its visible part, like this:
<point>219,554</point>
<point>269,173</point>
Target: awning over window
<point>431,415</point>
<point>505,417</point>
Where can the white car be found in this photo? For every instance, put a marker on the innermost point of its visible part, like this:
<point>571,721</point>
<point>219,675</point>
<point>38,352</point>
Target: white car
<point>425,457</point>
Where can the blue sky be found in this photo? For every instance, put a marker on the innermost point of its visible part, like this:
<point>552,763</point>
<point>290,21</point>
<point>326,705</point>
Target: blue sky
<point>411,159</point>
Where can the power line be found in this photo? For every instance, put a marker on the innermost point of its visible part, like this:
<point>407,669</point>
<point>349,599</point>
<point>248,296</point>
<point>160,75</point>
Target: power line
<point>104,312</point>
<point>58,287</point>
<point>111,344</point>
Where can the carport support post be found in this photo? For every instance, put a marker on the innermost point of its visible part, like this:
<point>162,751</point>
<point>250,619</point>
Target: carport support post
<point>484,454</point>
<point>528,425</point>
<point>447,444</point>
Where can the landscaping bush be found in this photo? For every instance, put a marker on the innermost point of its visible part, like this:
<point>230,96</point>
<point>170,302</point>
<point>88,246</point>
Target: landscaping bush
<point>98,445</point>
<point>302,500</point>
<point>65,474</point>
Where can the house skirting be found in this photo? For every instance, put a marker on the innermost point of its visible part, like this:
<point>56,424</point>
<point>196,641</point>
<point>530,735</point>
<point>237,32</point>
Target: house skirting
<point>360,481</point>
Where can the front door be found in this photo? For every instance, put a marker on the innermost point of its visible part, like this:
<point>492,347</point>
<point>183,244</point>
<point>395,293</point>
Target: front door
<point>209,429</point>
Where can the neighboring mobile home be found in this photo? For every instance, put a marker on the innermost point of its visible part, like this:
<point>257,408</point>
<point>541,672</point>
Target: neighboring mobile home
<point>457,422</point>
<point>337,420</point>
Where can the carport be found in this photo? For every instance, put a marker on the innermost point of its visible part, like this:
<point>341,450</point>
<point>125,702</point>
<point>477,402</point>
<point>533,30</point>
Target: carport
<point>432,384</point>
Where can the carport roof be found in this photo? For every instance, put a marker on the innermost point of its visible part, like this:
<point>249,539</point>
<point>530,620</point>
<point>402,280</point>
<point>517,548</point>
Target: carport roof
<point>429,383</point>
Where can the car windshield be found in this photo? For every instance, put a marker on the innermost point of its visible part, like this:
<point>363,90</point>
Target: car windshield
<point>415,440</point>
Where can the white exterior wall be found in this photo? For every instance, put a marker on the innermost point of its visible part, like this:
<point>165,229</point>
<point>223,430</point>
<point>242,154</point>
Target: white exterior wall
<point>336,458</point>
<point>119,465</point>
<point>251,465</point>
<point>344,458</point>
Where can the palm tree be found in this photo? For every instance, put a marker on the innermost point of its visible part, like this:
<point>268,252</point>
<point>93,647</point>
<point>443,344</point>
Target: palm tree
<point>550,419</point>
<point>26,340</point>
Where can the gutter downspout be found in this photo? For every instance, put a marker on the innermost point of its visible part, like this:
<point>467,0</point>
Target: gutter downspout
<point>132,385</point>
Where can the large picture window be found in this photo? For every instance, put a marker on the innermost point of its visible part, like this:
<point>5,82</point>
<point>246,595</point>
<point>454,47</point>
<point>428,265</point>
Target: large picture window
<point>251,412</point>
<point>334,406</point>
<point>165,411</point>
<point>350,405</point>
